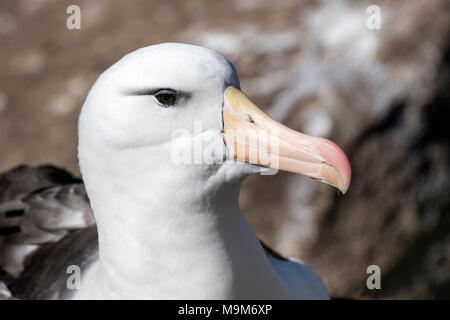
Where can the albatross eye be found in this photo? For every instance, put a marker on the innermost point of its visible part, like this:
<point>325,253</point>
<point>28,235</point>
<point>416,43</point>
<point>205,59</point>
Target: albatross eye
<point>166,97</point>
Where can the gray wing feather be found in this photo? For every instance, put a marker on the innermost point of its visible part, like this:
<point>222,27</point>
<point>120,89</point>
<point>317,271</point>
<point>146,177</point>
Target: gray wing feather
<point>43,211</point>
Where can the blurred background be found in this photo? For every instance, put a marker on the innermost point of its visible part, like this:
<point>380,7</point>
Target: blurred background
<point>382,95</point>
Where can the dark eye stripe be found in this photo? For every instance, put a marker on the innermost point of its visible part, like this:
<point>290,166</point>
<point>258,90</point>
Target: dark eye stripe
<point>166,97</point>
<point>154,91</point>
<point>146,92</point>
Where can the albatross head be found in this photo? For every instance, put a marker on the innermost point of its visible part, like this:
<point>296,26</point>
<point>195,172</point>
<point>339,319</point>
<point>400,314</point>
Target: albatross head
<point>165,136</point>
<point>170,119</point>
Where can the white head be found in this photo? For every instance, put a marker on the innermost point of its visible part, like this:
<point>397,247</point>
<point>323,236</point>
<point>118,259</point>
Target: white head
<point>150,208</point>
<point>127,126</point>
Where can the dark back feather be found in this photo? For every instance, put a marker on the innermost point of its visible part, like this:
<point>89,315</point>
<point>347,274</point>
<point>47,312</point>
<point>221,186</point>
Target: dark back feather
<point>46,224</point>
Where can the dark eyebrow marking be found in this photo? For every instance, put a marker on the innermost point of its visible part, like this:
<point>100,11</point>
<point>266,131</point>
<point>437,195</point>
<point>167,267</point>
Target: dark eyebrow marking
<point>153,91</point>
<point>143,92</point>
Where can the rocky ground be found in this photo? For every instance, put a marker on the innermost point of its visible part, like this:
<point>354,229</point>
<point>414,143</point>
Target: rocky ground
<point>380,94</point>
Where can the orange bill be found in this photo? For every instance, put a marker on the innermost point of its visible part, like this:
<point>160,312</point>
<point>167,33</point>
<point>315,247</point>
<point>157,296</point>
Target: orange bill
<point>253,136</point>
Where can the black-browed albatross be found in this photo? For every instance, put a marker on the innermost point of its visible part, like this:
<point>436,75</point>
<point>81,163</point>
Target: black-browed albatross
<point>167,228</point>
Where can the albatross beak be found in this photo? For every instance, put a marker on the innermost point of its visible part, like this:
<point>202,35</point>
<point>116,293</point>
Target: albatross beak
<point>254,137</point>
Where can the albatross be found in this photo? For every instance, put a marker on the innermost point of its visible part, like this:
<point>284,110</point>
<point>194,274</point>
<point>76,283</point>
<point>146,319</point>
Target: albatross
<point>152,219</point>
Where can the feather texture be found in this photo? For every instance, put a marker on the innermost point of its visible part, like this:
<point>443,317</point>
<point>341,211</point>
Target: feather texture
<point>46,225</point>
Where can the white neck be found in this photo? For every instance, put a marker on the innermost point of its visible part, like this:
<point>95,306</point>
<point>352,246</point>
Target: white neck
<point>160,238</point>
